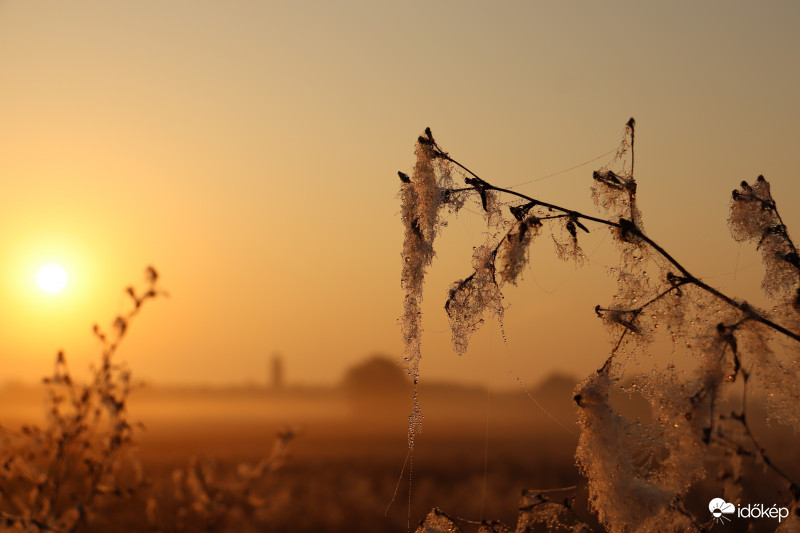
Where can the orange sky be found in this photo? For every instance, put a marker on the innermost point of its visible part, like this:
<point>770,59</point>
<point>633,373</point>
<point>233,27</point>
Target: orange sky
<point>248,150</point>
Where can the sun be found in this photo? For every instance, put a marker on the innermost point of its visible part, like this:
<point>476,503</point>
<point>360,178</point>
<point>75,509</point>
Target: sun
<point>52,278</point>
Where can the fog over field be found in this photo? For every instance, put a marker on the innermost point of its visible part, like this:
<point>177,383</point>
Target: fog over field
<point>411,266</point>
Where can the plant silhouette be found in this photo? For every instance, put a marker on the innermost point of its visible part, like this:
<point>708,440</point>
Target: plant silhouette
<point>637,474</point>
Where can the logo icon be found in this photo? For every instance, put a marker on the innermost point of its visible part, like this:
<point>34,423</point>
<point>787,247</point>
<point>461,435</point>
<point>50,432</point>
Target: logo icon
<point>719,508</point>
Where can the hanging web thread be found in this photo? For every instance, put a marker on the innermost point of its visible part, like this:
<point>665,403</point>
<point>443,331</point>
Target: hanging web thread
<point>564,171</point>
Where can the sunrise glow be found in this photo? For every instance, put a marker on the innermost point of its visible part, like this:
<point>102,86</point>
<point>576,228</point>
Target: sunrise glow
<point>52,279</point>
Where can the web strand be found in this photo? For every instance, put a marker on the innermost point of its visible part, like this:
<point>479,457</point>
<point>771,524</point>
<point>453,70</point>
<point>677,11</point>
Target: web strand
<point>564,171</point>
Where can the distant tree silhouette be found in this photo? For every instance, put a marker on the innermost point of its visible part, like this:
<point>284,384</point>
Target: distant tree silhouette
<point>377,385</point>
<point>379,374</point>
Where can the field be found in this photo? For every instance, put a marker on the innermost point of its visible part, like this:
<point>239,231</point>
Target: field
<point>476,453</point>
<point>344,463</point>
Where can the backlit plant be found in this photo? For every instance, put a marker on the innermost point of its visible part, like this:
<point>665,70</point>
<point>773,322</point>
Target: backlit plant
<point>638,472</point>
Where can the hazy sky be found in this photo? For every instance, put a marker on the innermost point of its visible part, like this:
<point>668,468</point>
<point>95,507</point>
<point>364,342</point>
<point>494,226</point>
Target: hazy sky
<point>248,150</point>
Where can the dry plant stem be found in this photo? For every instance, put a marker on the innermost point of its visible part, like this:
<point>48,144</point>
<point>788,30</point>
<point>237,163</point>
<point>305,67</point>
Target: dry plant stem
<point>794,488</point>
<point>687,414</point>
<point>208,502</point>
<point>761,452</point>
<point>627,227</point>
<point>687,278</point>
<point>678,506</point>
<point>74,459</point>
<point>774,208</point>
<point>103,382</point>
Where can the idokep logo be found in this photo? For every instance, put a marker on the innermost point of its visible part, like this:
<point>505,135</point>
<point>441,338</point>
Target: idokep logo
<point>719,508</point>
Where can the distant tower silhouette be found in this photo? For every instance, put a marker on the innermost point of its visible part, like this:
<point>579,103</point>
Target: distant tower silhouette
<point>276,370</point>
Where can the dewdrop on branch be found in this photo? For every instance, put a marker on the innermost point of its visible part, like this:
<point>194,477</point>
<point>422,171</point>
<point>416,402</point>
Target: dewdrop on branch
<point>423,195</point>
<point>754,217</point>
<point>566,244</point>
<point>609,454</point>
<point>470,298</point>
<point>514,251</point>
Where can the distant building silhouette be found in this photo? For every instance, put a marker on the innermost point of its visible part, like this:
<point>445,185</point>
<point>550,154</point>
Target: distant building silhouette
<point>276,371</point>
